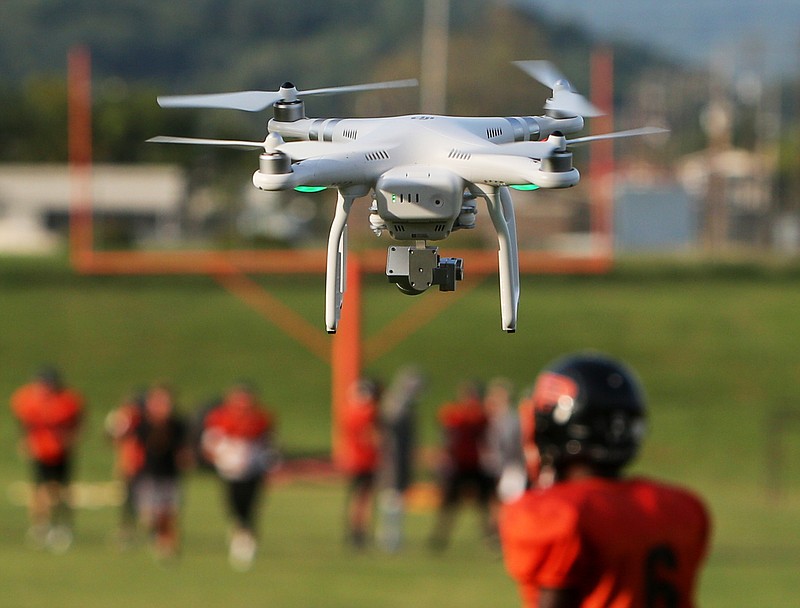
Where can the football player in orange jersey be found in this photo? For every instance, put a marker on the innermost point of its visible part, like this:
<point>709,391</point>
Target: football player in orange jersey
<point>120,425</point>
<point>239,440</point>
<point>360,456</point>
<point>463,424</point>
<point>585,535</point>
<point>50,416</point>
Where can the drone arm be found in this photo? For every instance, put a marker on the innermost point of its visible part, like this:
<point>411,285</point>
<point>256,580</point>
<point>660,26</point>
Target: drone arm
<point>296,130</point>
<point>492,166</point>
<point>547,125</point>
<point>501,210</point>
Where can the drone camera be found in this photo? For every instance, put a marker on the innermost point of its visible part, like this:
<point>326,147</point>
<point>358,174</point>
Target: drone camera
<point>415,269</point>
<point>448,273</point>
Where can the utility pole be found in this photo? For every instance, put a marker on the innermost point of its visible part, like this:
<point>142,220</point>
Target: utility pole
<point>718,119</point>
<point>433,69</point>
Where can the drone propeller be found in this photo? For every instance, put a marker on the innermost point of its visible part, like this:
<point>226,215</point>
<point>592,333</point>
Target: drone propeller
<point>255,101</point>
<point>565,101</point>
<point>545,149</point>
<point>227,143</point>
<point>616,135</point>
<point>295,150</point>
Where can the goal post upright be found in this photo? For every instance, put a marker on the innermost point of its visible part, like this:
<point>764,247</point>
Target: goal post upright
<point>79,137</point>
<point>601,158</point>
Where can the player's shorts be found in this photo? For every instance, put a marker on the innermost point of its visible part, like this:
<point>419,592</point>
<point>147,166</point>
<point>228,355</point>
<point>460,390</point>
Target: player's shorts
<point>457,484</point>
<point>364,480</point>
<point>45,472</point>
<point>157,494</point>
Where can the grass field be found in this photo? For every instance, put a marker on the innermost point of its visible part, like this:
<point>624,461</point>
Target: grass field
<point>716,347</point>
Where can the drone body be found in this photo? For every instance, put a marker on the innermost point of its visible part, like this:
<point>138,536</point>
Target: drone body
<point>425,173</point>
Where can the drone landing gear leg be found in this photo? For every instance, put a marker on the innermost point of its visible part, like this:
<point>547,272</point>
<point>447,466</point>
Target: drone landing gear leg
<point>336,264</point>
<point>501,210</point>
<point>508,211</point>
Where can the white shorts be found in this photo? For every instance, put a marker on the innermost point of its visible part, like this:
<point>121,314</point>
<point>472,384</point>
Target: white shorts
<point>157,494</point>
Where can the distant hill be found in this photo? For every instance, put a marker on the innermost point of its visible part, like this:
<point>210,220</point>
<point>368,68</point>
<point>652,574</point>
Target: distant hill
<point>140,49</point>
<point>221,44</point>
<point>185,43</point>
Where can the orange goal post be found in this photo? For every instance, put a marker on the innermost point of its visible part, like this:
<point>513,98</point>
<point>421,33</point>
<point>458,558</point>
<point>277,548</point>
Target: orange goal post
<point>346,350</point>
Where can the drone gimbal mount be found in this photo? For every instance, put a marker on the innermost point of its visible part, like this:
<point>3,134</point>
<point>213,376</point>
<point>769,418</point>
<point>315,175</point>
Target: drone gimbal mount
<point>416,268</point>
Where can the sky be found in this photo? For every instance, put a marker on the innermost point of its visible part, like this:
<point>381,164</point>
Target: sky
<point>698,31</point>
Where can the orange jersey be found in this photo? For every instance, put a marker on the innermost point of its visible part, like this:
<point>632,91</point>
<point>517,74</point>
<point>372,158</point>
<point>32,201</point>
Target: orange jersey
<point>242,423</point>
<point>49,418</point>
<point>359,450</point>
<point>121,425</point>
<point>235,439</point>
<point>618,543</point>
<point>464,425</point>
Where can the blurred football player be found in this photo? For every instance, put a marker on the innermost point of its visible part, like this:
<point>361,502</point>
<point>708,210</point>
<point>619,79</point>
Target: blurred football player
<point>239,440</point>
<point>585,535</point>
<point>398,434</point>
<point>50,416</point>
<point>162,435</point>
<point>120,425</point>
<point>360,457</point>
<point>462,474</point>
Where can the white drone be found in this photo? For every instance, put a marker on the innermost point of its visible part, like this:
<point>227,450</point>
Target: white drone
<point>425,173</point>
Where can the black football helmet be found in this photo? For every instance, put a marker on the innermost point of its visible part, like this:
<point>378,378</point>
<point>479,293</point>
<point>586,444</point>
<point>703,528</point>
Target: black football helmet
<point>588,408</point>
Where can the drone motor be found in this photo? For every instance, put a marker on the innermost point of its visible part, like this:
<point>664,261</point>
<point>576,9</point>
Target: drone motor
<point>274,163</point>
<point>558,162</point>
<point>290,108</point>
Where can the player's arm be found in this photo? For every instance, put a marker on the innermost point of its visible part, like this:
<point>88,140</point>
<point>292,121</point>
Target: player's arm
<point>559,598</point>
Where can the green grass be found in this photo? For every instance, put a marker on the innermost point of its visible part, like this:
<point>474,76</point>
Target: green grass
<point>302,562</point>
<point>715,346</point>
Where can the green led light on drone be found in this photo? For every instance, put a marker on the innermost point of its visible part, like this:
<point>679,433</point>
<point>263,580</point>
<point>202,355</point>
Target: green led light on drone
<point>310,189</point>
<point>525,187</point>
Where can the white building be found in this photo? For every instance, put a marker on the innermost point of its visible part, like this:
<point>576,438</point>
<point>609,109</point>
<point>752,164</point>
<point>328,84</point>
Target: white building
<point>137,201</point>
